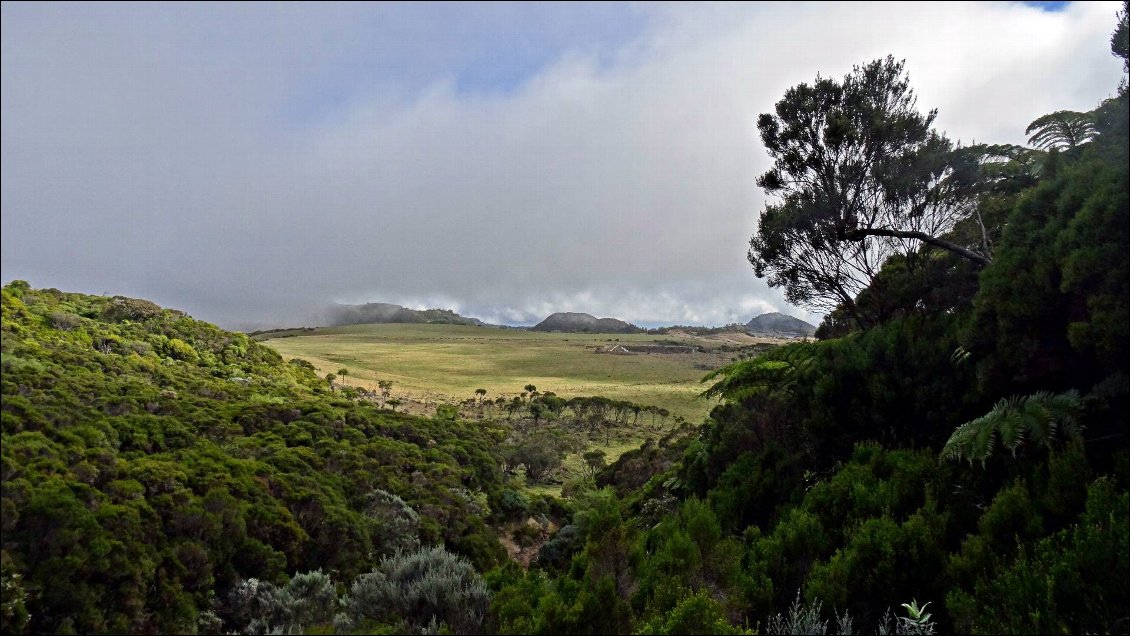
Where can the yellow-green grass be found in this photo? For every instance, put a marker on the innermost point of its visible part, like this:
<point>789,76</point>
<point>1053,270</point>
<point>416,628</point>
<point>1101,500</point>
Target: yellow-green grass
<point>447,363</point>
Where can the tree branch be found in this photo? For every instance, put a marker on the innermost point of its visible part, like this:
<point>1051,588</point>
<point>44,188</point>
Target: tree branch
<point>964,252</point>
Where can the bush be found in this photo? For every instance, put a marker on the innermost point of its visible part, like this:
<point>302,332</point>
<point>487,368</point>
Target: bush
<point>64,321</point>
<point>697,613</point>
<point>512,504</point>
<point>422,589</point>
<point>557,552</point>
<point>395,526</point>
<point>1071,582</point>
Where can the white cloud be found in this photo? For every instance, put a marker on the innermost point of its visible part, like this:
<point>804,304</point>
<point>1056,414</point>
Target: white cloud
<point>618,184</point>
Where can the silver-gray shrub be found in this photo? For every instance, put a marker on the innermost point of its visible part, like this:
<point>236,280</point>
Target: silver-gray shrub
<point>313,598</point>
<point>804,618</point>
<point>801,619</point>
<point>395,525</point>
<point>259,607</point>
<point>419,590</point>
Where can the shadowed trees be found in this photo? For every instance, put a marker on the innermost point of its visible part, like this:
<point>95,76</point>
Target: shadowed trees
<point>861,176</point>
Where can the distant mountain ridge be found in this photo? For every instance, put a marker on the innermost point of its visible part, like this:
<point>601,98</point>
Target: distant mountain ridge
<point>389,313</point>
<point>571,322</point>
<point>776,323</point>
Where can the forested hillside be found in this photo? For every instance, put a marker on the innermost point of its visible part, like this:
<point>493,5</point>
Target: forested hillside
<point>950,456</point>
<point>153,465</point>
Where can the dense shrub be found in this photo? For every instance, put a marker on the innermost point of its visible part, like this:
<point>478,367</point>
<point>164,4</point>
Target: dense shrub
<point>422,590</point>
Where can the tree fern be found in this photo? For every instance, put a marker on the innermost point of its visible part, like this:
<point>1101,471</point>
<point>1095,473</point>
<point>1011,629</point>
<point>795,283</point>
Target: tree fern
<point>1038,419</point>
<point>771,371</point>
<point>1063,129</point>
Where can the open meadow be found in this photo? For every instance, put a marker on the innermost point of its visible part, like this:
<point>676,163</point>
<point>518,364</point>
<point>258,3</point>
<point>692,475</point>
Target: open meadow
<point>434,363</point>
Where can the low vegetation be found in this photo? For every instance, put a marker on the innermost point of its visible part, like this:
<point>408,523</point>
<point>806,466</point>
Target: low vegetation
<point>434,364</point>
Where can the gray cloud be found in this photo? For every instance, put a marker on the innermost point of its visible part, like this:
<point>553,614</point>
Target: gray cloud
<point>250,165</point>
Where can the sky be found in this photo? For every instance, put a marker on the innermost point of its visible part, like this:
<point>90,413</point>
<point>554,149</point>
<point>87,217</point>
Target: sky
<point>253,163</point>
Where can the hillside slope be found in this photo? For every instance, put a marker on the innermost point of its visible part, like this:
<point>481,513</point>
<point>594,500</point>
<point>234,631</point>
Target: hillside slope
<point>152,463</point>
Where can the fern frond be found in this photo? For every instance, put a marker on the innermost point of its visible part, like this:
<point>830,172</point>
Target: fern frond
<point>1037,419</point>
<point>1062,129</point>
<point>771,371</point>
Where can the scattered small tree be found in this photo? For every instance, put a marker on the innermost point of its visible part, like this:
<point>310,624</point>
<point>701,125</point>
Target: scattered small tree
<point>594,461</point>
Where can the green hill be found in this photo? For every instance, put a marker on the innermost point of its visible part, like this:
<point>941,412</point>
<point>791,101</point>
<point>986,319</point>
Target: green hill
<point>153,464</point>
<point>571,322</point>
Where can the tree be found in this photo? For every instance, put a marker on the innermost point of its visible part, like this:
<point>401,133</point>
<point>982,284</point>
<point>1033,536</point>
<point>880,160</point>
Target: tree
<point>514,405</point>
<point>1062,130</point>
<point>343,372</point>
<point>330,377</point>
<point>1120,41</point>
<point>594,461</point>
<point>540,454</point>
<point>480,393</point>
<point>861,176</point>
<point>537,410</point>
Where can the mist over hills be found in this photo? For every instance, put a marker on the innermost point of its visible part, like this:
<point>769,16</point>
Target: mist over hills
<point>769,324</point>
<point>368,313</point>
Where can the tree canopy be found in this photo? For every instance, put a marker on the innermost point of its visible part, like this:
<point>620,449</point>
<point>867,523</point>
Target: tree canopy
<point>860,176</point>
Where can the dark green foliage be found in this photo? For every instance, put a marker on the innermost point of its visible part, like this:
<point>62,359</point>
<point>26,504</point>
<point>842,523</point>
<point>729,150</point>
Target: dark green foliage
<point>860,173</point>
<point>696,613</point>
<point>515,599</point>
<point>540,452</point>
<point>774,371</point>
<point>752,488</point>
<point>151,463</point>
<point>512,504</point>
<point>1051,312</point>
<point>882,561</point>
<point>1069,582</point>
<point>635,468</point>
<point>896,383</point>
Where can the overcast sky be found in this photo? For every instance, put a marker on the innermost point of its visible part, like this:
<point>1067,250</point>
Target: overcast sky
<point>250,164</point>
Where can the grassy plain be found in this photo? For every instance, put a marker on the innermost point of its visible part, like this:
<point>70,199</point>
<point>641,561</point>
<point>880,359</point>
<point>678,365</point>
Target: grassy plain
<point>446,363</point>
